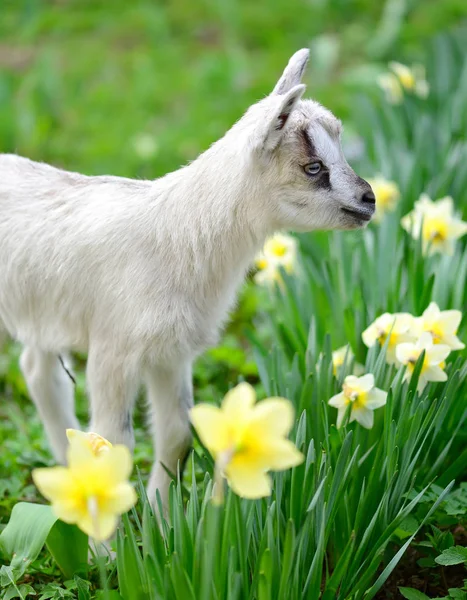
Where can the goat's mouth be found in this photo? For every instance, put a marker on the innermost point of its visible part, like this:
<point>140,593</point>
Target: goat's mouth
<point>361,215</point>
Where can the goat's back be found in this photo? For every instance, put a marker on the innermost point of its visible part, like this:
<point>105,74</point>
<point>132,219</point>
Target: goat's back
<point>67,249</point>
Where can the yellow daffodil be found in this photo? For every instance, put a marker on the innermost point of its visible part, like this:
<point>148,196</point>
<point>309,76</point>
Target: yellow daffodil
<point>247,439</point>
<point>436,223</point>
<point>442,325</point>
<point>387,195</point>
<point>399,328</point>
<point>279,251</point>
<point>93,490</point>
<point>433,362</point>
<point>364,398</point>
<point>344,355</point>
<point>402,78</point>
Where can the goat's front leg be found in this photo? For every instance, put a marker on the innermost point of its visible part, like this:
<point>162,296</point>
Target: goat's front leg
<point>112,385</point>
<point>52,392</point>
<point>170,395</point>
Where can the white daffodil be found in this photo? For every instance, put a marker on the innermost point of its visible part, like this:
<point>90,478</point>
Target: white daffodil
<point>364,398</point>
<point>412,79</point>
<point>339,357</point>
<point>387,195</point>
<point>402,78</point>
<point>279,251</point>
<point>391,87</point>
<point>436,223</point>
<point>442,324</point>
<point>268,275</point>
<point>399,328</point>
<point>433,363</point>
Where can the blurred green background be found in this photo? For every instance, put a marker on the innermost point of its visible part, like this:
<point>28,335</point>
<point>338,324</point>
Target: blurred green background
<point>139,88</point>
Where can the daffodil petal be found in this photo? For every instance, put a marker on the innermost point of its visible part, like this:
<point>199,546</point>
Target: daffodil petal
<point>407,223</point>
<point>425,341</point>
<point>59,487</point>
<point>391,87</point>
<point>121,499</point>
<point>424,203</point>
<point>422,381</point>
<point>435,373</point>
<point>445,206</point>
<point>268,276</point>
<point>248,482</point>
<point>274,416</point>
<point>96,442</point>
<point>391,357</point>
<point>340,416</point>
<point>212,427</point>
<point>422,88</point>
<point>438,353</point>
<point>457,228</point>
<point>338,401</point>
<point>281,454</point>
<point>431,313</point>
<point>79,452</point>
<point>376,398</point>
<point>363,416</point>
<point>450,320</point>
<point>407,375</point>
<point>369,336</point>
<point>402,322</point>
<point>453,342</point>
<point>238,402</point>
<point>54,482</point>
<point>403,72</point>
<point>116,464</point>
<point>366,382</point>
<point>72,433</point>
<point>352,381</point>
<point>69,510</point>
<point>404,352</point>
<point>101,527</point>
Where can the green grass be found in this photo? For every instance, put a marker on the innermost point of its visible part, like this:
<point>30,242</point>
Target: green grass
<point>137,90</point>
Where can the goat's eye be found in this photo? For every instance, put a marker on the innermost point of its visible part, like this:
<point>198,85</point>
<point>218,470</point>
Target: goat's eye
<point>313,168</point>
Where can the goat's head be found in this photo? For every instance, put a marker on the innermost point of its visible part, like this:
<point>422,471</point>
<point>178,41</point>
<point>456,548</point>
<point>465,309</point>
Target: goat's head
<point>299,159</point>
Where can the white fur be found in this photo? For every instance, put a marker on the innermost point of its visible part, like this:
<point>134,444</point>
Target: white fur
<point>141,274</point>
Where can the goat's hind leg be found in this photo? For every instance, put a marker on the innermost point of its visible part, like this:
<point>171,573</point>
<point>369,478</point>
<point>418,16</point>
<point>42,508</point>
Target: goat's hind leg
<point>113,384</point>
<point>51,390</point>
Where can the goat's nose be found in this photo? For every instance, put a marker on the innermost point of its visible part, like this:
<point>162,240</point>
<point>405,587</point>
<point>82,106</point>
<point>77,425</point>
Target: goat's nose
<point>369,197</point>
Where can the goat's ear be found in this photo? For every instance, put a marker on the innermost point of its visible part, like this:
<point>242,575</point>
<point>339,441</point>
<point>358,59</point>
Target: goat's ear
<point>279,116</point>
<point>293,72</point>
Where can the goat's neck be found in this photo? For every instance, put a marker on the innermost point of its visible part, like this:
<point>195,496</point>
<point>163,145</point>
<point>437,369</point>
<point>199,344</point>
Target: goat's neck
<point>223,215</point>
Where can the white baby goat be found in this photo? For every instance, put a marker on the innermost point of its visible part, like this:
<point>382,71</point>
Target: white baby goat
<point>141,274</point>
